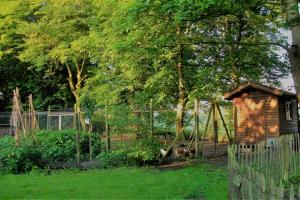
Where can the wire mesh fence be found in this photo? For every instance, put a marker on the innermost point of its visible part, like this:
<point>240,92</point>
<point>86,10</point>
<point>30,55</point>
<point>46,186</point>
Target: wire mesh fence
<point>122,119</point>
<point>4,123</point>
<point>49,120</point>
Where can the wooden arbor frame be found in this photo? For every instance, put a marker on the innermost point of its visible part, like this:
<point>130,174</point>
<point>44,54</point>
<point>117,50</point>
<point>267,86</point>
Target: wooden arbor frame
<point>213,113</point>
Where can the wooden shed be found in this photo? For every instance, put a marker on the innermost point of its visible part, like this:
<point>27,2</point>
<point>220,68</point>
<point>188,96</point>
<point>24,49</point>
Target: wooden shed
<point>262,113</point>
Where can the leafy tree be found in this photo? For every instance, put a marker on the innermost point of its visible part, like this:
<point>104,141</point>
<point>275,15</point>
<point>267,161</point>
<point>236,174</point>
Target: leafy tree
<point>58,39</point>
<point>46,90</point>
<point>173,50</point>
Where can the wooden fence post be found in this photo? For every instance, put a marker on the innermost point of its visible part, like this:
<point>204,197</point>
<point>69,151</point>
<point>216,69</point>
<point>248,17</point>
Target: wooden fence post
<point>196,127</point>
<point>151,119</point>
<point>224,124</point>
<point>48,118</point>
<point>292,193</point>
<point>74,118</point>
<point>59,122</point>
<point>77,138</point>
<point>206,128</point>
<point>215,126</point>
<point>107,129</point>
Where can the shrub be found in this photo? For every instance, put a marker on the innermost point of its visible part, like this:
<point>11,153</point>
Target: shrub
<point>142,152</point>
<point>50,147</point>
<point>18,159</point>
<point>60,146</point>
<point>145,152</point>
<point>115,159</point>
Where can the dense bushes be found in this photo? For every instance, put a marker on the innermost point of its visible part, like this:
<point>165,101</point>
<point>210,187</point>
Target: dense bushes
<point>17,160</point>
<point>49,148</point>
<point>140,153</point>
<point>59,147</point>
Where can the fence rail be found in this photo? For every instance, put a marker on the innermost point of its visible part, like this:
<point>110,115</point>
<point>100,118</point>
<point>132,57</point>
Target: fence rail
<point>264,171</point>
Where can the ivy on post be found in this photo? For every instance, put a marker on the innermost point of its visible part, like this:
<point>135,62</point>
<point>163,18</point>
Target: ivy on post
<point>88,105</point>
<point>107,129</point>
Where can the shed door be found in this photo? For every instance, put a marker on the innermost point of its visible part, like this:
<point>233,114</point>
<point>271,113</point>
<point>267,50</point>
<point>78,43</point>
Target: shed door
<point>256,119</point>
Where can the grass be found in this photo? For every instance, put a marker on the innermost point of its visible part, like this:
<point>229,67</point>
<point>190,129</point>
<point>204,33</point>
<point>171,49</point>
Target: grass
<point>200,181</point>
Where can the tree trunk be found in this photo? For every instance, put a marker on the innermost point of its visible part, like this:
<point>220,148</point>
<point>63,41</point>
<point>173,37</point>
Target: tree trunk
<point>75,88</point>
<point>182,95</point>
<point>292,15</point>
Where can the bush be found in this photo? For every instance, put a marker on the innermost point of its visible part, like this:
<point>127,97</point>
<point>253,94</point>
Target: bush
<point>145,152</point>
<point>60,146</point>
<point>115,159</point>
<point>50,147</point>
<point>18,159</point>
<point>141,153</point>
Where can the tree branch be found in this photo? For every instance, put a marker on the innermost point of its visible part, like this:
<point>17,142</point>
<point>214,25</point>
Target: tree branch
<point>240,43</point>
<point>70,78</point>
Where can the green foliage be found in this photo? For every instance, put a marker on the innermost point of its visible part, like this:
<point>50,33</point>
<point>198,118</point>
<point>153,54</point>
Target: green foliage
<point>141,152</point>
<point>165,120</point>
<point>145,151</point>
<point>128,51</point>
<point>122,119</point>
<point>294,180</point>
<point>46,90</point>
<point>143,40</point>
<point>18,159</point>
<point>51,147</point>
<point>60,146</point>
<point>88,105</point>
<point>115,159</point>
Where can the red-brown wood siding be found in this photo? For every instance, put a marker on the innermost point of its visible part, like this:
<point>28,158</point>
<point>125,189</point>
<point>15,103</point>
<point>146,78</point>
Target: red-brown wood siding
<point>256,116</point>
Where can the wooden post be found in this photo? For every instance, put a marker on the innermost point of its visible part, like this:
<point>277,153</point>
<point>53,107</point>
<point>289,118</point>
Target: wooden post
<point>215,126</point>
<point>77,138</point>
<point>151,119</point>
<point>25,123</point>
<point>206,128</point>
<point>107,129</point>
<point>74,118</point>
<point>48,118</point>
<point>59,122</point>
<point>196,127</point>
<point>90,140</point>
<point>234,122</point>
<point>223,121</point>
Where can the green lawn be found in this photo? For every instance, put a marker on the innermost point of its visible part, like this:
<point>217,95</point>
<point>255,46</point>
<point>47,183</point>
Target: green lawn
<point>201,181</point>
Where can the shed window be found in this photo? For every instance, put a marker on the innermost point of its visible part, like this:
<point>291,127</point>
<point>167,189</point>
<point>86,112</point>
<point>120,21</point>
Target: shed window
<point>288,110</point>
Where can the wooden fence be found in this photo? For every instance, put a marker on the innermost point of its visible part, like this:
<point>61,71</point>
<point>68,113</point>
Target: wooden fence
<point>265,170</point>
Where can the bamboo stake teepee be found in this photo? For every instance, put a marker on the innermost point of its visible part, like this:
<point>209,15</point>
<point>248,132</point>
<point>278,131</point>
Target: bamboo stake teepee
<point>16,120</point>
<point>32,120</point>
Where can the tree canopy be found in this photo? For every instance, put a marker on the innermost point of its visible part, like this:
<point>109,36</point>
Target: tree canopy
<point>136,50</point>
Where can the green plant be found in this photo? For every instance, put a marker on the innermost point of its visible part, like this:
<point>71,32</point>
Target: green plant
<point>145,151</point>
<point>60,146</point>
<point>18,159</point>
<point>115,159</point>
<point>50,147</point>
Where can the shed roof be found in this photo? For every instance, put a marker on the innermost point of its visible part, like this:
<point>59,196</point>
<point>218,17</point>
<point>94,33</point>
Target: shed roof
<point>235,92</point>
